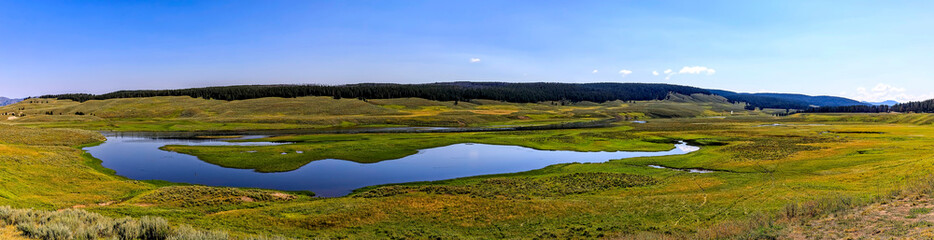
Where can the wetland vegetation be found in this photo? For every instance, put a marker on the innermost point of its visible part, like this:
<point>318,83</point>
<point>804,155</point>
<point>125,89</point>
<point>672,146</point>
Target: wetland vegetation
<point>326,168</point>
<point>767,180</point>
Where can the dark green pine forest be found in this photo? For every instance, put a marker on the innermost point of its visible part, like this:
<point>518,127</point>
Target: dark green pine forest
<point>465,91</point>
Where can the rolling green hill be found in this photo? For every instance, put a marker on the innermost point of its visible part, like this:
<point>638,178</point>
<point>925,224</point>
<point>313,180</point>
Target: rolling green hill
<point>184,113</point>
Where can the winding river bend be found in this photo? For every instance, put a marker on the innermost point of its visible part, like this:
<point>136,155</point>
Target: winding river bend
<point>138,156</point>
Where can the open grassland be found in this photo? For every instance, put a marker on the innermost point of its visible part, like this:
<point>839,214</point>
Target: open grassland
<point>764,173</point>
<point>40,168</point>
<point>194,114</point>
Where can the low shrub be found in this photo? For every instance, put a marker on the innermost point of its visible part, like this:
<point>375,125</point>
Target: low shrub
<point>186,232</point>
<point>154,228</point>
<point>76,224</point>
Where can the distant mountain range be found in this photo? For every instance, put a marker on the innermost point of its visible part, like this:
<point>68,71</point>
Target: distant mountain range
<point>885,103</point>
<point>7,101</point>
<point>501,91</point>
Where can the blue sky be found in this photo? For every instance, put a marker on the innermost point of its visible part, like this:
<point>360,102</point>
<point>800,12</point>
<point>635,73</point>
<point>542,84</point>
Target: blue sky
<point>868,50</point>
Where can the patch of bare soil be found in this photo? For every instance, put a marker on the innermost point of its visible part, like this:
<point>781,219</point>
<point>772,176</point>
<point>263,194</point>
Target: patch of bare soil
<point>80,206</point>
<point>896,219</point>
<point>283,196</point>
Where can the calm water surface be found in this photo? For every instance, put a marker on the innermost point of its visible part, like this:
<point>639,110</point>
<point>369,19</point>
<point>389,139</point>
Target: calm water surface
<point>138,157</point>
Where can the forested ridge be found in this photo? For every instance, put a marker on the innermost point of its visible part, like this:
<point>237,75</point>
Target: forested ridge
<point>454,91</point>
<point>460,91</point>
<point>786,101</point>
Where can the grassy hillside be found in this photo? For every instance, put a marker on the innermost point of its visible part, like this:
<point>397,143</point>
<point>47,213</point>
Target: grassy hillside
<point>191,114</point>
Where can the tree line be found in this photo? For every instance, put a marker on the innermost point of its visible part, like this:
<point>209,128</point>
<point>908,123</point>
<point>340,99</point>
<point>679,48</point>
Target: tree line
<point>455,91</point>
<point>753,102</point>
<point>926,106</point>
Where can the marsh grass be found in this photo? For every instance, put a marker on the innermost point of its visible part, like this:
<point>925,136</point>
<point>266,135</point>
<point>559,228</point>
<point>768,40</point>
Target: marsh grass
<point>774,148</point>
<point>524,188</point>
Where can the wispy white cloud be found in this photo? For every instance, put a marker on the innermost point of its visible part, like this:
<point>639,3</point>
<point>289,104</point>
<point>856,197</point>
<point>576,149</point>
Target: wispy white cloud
<point>697,70</point>
<point>474,60</point>
<point>884,92</point>
<point>687,70</point>
<point>887,88</point>
<point>595,71</point>
<point>668,73</point>
<point>624,72</point>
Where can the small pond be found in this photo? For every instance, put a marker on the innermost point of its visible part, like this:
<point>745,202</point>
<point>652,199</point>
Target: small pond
<point>137,156</point>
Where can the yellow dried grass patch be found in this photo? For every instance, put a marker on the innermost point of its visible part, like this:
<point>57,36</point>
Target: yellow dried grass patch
<point>10,233</point>
<point>494,111</point>
<point>16,151</point>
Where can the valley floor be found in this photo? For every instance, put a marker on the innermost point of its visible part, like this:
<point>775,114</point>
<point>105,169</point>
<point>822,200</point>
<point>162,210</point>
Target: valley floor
<point>773,173</point>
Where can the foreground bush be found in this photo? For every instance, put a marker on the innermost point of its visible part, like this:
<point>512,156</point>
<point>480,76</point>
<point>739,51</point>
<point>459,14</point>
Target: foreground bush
<point>74,224</point>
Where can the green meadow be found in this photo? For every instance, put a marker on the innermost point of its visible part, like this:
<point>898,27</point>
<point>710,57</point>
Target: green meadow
<point>771,174</point>
<point>196,114</point>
